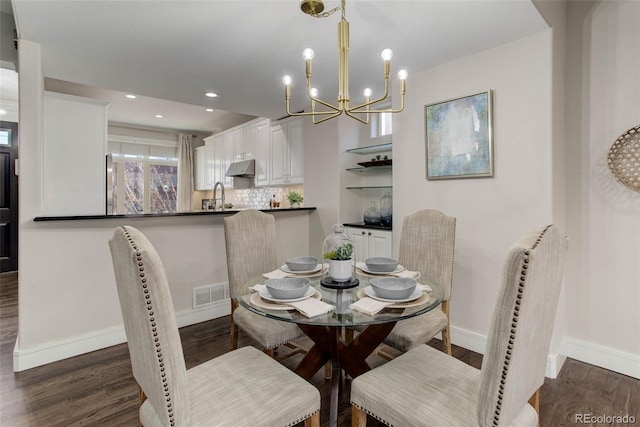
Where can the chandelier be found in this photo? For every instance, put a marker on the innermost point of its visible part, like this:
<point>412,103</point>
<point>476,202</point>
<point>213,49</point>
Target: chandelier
<point>359,112</point>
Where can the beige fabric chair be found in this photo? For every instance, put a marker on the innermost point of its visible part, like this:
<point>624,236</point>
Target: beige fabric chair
<point>252,250</point>
<point>427,245</point>
<point>240,388</point>
<point>429,388</point>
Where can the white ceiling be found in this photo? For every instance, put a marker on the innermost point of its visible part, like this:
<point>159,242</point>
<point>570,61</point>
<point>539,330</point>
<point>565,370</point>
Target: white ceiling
<point>177,50</point>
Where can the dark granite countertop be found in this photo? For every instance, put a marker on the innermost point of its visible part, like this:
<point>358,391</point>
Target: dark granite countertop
<point>363,225</point>
<point>163,215</point>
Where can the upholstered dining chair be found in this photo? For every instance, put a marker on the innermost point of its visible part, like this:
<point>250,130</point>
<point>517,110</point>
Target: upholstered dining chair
<point>241,387</point>
<point>427,245</point>
<point>427,387</point>
<point>251,245</point>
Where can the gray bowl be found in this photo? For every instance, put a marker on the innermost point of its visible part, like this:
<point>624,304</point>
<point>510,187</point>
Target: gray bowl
<point>302,263</point>
<point>288,288</point>
<point>381,265</point>
<point>393,287</point>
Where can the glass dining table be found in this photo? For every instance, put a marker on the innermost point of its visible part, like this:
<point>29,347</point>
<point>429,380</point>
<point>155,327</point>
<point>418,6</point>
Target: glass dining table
<point>331,332</point>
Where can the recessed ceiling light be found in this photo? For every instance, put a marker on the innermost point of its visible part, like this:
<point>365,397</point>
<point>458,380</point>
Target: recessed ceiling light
<point>211,94</point>
<point>209,110</point>
<point>130,96</point>
<point>160,116</point>
<point>3,112</point>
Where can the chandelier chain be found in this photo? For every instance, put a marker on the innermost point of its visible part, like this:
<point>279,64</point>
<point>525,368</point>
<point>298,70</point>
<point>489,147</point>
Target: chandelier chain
<point>330,12</point>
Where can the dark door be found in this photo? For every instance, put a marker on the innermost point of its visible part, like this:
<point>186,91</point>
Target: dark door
<point>8,197</point>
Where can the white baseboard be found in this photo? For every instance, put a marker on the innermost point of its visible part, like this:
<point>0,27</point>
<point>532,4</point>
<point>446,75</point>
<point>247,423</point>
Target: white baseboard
<point>478,343</point>
<point>604,357</point>
<point>469,340</point>
<point>51,352</point>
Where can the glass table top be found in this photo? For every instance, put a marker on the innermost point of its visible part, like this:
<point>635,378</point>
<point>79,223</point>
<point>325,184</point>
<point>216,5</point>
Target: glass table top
<point>341,299</point>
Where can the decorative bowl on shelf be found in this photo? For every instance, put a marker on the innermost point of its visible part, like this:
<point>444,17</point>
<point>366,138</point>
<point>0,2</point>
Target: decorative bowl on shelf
<point>394,288</point>
<point>381,264</point>
<point>302,263</point>
<point>376,163</point>
<point>287,288</point>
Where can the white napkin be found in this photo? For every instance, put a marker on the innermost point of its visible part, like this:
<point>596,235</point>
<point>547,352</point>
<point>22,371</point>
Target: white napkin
<point>311,307</point>
<point>424,288</point>
<point>407,274</point>
<point>276,274</point>
<point>369,306</point>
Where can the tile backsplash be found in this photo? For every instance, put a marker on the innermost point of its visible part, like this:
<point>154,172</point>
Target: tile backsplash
<point>254,197</point>
<point>258,197</point>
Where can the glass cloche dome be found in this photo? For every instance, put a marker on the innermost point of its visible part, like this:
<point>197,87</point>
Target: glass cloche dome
<point>339,254</point>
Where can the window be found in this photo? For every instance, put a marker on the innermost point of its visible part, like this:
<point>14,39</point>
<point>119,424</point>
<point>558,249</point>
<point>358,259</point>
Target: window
<point>5,137</point>
<point>145,179</point>
<point>381,124</point>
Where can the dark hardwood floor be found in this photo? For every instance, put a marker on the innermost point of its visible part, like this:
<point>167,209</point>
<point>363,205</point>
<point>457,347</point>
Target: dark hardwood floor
<point>97,389</point>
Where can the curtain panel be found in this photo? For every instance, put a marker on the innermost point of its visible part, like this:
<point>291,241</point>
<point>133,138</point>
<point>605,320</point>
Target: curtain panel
<point>185,173</point>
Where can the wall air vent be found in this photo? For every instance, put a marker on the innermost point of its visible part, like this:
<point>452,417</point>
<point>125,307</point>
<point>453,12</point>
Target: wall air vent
<point>209,294</point>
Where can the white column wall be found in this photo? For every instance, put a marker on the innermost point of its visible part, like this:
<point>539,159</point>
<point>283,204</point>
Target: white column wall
<point>491,212</point>
<point>603,101</point>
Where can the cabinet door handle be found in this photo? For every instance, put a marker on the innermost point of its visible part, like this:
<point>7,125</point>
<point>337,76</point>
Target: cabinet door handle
<point>363,233</point>
<point>369,233</point>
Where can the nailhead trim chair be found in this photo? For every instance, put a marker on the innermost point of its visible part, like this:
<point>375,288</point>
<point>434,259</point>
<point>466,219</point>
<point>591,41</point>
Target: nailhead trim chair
<point>251,246</point>
<point>429,388</point>
<point>240,388</point>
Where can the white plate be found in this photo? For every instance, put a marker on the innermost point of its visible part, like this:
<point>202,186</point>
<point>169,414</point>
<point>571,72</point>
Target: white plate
<point>364,268</point>
<point>264,294</point>
<point>417,293</point>
<point>288,270</point>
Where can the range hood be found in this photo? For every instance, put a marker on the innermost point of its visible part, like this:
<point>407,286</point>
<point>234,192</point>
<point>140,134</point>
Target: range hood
<point>244,169</point>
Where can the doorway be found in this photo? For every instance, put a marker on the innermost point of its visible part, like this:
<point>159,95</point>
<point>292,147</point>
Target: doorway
<point>8,197</point>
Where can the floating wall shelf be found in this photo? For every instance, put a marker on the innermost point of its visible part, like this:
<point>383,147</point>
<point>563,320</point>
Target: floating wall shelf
<point>380,148</point>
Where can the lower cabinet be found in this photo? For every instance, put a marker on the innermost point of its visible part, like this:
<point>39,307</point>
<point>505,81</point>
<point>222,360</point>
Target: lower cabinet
<point>370,242</point>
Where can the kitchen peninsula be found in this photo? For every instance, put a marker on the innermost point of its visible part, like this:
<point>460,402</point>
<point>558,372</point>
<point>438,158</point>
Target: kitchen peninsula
<point>69,267</point>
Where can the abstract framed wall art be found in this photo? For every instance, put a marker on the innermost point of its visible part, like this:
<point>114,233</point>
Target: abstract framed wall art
<point>459,137</point>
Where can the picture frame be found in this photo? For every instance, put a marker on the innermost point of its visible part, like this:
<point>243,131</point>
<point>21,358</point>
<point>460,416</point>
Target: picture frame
<point>459,137</point>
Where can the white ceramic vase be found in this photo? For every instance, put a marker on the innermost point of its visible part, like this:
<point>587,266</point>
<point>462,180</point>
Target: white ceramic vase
<point>340,270</point>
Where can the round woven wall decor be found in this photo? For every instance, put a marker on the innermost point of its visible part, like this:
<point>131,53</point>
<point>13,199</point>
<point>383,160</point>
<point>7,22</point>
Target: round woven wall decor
<point>624,159</point>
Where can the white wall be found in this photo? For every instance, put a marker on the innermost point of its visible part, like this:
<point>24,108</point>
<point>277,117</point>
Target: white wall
<point>491,212</point>
<point>603,101</point>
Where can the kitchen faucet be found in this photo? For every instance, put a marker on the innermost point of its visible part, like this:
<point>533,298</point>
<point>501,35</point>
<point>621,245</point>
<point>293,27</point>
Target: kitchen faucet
<point>215,188</point>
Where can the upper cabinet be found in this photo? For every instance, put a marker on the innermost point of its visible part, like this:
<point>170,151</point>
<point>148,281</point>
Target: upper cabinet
<point>287,152</point>
<point>262,151</point>
<point>277,149</point>
<point>200,167</point>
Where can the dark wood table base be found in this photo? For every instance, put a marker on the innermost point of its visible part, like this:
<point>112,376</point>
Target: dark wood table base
<point>351,356</point>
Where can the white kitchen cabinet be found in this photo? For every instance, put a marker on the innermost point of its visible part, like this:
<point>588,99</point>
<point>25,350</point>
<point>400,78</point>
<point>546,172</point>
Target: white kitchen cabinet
<point>221,159</point>
<point>244,142</point>
<point>204,163</point>
<point>239,150</point>
<point>210,172</point>
<point>200,166</point>
<point>262,151</point>
<point>369,242</point>
<point>287,153</point>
